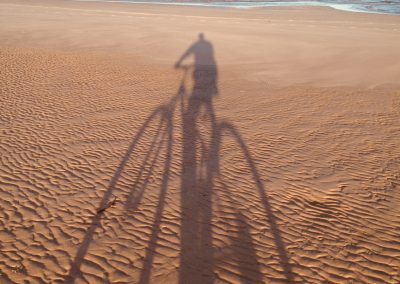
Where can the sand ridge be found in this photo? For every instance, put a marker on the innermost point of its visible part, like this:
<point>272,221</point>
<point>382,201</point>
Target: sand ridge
<point>112,171</point>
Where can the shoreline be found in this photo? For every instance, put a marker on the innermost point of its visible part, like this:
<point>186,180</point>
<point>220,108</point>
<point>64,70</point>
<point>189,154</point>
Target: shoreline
<point>254,5</point>
<point>191,6</point>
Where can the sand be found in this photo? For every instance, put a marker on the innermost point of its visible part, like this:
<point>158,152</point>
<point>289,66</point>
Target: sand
<point>278,161</point>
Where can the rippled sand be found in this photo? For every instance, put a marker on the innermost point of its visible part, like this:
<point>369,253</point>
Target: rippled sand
<point>110,171</point>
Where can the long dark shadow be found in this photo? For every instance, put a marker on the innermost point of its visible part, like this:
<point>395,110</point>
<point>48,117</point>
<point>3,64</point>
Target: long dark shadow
<point>196,262</point>
<point>200,166</point>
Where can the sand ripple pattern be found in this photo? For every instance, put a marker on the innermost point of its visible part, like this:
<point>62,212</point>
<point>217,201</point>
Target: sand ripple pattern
<point>292,185</point>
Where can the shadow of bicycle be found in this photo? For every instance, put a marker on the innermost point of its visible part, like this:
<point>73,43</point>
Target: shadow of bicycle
<point>200,170</point>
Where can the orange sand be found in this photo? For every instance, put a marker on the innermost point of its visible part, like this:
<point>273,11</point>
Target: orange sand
<point>111,171</point>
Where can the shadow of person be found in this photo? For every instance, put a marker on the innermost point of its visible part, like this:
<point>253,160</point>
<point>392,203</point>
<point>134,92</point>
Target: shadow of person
<point>196,263</point>
<point>200,172</point>
<point>205,75</point>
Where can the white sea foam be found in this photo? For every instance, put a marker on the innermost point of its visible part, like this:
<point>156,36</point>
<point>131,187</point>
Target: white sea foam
<point>365,6</point>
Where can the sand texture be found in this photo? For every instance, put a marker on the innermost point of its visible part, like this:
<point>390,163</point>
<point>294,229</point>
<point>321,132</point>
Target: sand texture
<point>274,157</point>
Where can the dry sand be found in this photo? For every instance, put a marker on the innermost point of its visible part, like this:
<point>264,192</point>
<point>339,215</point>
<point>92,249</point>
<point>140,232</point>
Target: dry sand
<point>112,171</point>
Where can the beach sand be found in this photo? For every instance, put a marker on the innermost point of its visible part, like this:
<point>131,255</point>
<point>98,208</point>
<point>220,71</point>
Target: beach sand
<point>277,161</point>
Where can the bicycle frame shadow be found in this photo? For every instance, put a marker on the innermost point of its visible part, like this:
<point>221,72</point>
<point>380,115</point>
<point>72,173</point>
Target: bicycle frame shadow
<point>197,261</point>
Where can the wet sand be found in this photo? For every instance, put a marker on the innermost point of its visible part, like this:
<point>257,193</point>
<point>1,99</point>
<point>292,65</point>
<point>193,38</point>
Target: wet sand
<point>274,158</point>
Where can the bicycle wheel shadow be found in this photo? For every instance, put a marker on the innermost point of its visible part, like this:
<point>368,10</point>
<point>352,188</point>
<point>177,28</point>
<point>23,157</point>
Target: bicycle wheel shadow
<point>200,171</point>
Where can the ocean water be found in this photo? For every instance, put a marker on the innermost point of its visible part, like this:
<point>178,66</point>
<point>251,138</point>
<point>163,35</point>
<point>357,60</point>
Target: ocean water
<point>366,6</point>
